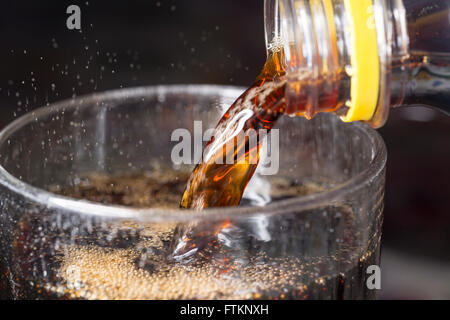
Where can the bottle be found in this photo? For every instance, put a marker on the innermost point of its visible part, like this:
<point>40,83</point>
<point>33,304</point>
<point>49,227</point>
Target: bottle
<point>359,58</point>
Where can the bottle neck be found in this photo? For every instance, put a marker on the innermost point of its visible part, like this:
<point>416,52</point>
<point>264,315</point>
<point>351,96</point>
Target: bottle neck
<point>324,55</point>
<point>315,62</point>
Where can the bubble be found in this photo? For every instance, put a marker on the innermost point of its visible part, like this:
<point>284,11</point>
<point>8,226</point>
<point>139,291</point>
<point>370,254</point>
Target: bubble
<point>54,43</point>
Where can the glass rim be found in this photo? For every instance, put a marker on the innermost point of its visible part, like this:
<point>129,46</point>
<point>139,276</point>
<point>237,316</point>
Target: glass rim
<point>95,209</point>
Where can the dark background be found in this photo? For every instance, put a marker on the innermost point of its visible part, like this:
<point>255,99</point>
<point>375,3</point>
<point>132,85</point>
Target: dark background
<point>123,44</point>
<point>135,43</point>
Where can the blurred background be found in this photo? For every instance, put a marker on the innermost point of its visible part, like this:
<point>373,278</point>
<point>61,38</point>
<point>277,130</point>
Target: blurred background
<point>146,42</point>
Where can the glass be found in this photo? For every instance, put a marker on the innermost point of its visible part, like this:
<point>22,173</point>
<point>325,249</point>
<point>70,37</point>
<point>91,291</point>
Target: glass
<point>308,232</point>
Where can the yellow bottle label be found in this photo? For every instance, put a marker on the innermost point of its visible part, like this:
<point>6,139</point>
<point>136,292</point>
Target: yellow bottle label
<point>365,73</point>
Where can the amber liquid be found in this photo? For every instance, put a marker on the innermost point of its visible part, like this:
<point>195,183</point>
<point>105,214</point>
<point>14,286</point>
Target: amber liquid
<point>79,259</point>
<point>217,183</point>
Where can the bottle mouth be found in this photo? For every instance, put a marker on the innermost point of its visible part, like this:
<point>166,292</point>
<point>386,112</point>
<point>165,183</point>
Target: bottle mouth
<point>340,45</point>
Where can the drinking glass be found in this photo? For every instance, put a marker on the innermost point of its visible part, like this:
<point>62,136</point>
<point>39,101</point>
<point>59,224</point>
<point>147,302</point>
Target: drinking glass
<point>310,231</point>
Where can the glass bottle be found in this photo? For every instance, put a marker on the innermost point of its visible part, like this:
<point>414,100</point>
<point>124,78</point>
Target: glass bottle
<point>359,58</point>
